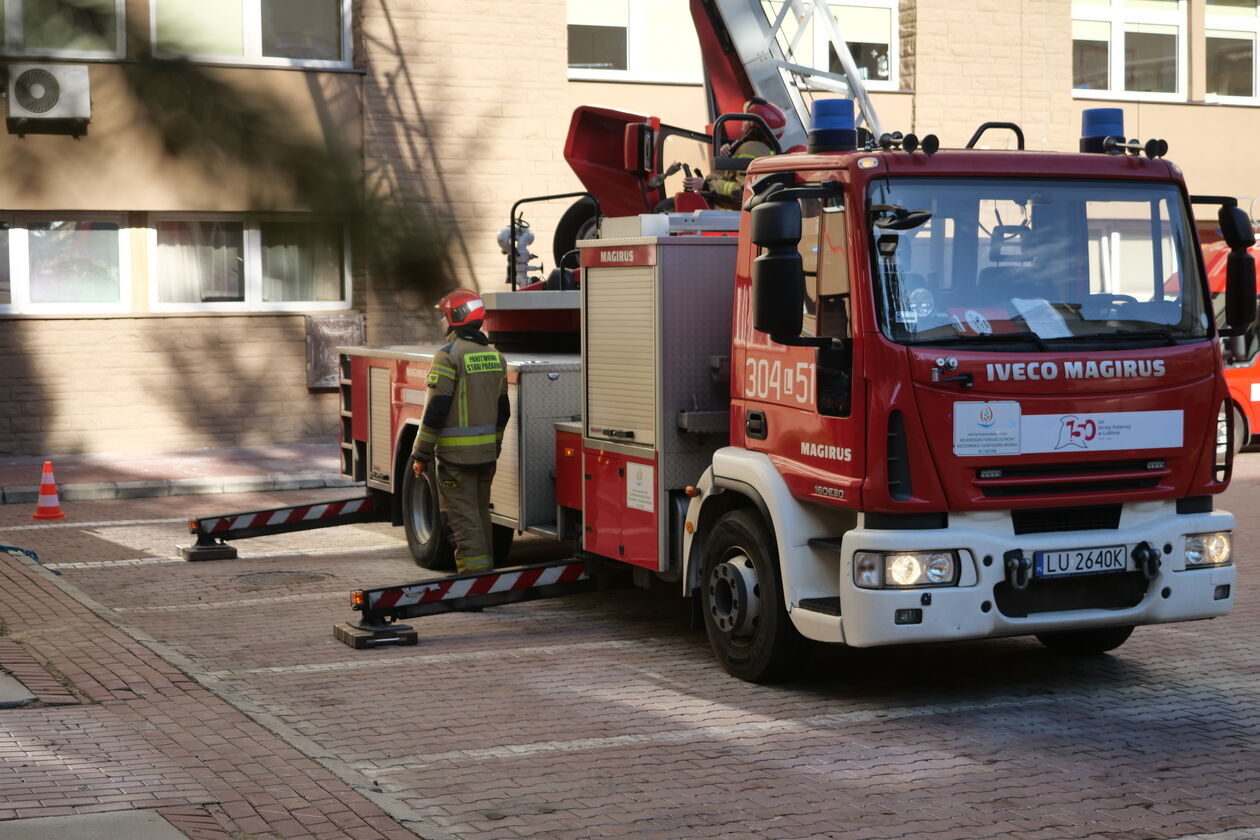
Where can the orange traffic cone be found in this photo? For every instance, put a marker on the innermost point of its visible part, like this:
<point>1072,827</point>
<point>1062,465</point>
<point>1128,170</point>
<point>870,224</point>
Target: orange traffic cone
<point>49,507</point>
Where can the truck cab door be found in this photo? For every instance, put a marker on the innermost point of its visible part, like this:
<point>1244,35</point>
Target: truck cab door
<point>802,404</point>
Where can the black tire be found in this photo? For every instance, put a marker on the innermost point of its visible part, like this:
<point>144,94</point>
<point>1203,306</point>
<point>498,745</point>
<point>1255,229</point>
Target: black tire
<point>741,597</point>
<point>578,222</point>
<point>428,535</point>
<point>501,537</point>
<point>1086,642</point>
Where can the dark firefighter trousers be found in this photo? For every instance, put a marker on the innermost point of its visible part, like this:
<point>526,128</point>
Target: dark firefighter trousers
<point>464,493</point>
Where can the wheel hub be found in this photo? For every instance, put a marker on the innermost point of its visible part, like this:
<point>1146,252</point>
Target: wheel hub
<point>734,596</point>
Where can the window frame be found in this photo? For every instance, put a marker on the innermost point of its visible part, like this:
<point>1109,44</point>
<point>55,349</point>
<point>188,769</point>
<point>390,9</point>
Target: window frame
<point>13,29</point>
<point>20,265</point>
<point>1243,26</point>
<point>251,252</point>
<point>638,36</point>
<point>822,42</point>
<point>1118,16</point>
<point>251,22</point>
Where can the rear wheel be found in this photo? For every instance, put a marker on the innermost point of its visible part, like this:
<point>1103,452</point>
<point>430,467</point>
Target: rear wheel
<point>742,600</point>
<point>1086,642</point>
<point>428,536</point>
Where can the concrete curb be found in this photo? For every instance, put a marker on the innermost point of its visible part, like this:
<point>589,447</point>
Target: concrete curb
<point>97,491</point>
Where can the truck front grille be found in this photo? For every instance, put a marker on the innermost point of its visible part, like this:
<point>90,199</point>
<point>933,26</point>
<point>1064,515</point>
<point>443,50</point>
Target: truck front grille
<point>1080,477</point>
<point>1088,592</point>
<point>1050,520</point>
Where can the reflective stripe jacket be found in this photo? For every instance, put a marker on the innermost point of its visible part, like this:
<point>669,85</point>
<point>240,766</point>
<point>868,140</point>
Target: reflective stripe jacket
<point>730,183</point>
<point>466,408</point>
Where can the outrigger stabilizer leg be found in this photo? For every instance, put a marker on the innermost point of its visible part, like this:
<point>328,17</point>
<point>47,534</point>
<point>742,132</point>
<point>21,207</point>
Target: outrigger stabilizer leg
<point>382,608</point>
<point>211,531</point>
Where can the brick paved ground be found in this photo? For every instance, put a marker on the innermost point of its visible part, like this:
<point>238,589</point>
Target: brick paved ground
<point>603,715</point>
<point>118,728</point>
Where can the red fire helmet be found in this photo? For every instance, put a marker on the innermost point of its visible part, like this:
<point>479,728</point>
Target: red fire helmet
<point>462,308</point>
<point>768,111</point>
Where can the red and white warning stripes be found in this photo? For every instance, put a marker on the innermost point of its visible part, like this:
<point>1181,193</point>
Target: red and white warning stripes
<point>487,584</point>
<point>283,516</point>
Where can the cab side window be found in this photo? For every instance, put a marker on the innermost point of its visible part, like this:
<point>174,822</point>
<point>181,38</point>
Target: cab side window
<point>825,259</point>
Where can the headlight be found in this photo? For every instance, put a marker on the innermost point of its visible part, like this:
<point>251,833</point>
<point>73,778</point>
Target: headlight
<point>904,569</point>
<point>1213,549</point>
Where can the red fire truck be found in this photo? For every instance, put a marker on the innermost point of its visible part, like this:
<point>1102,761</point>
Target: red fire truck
<point>917,397</point>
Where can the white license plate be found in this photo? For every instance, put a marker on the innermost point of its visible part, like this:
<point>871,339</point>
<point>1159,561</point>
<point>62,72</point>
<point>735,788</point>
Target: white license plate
<point>1080,561</point>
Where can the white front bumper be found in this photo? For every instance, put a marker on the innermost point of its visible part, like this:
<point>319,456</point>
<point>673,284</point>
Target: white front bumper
<point>975,607</point>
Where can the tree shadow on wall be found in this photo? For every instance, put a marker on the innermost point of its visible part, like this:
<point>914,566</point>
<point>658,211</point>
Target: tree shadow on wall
<point>220,123</point>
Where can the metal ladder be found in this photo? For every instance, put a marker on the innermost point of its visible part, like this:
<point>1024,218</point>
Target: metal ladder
<point>767,48</point>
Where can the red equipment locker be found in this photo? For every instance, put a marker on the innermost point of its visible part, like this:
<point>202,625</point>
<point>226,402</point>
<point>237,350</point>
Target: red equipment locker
<point>656,325</point>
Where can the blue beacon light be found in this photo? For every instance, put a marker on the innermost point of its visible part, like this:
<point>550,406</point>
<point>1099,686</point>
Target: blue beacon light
<point>1097,124</point>
<point>835,127</point>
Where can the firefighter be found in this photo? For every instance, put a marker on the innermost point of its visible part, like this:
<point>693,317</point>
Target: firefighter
<point>467,410</point>
<point>727,186</point>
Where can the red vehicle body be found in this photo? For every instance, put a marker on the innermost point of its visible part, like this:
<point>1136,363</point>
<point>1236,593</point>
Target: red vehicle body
<point>861,420</point>
<point>1242,362</point>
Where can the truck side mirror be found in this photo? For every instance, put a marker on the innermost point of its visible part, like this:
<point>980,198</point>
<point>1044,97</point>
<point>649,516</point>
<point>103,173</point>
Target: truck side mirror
<point>1236,228</point>
<point>638,147</point>
<point>778,277</point>
<point>1240,289</point>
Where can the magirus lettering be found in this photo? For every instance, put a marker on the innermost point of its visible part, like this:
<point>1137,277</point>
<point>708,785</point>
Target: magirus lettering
<point>822,450</point>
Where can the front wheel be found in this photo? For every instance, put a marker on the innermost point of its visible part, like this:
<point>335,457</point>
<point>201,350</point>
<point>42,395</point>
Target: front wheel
<point>742,600</point>
<point>1086,642</point>
<point>428,536</point>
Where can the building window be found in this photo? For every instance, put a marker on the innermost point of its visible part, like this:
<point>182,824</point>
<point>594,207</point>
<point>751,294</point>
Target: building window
<point>227,264</point>
<point>870,29</point>
<point>301,262</point>
<point>1232,26</point>
<point>633,40</point>
<point>65,264</point>
<point>1129,48</point>
<point>199,262</point>
<point>304,33</point>
<point>62,29</point>
<point>870,32</point>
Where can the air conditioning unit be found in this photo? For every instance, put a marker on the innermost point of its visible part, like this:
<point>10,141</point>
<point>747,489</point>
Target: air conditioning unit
<point>49,92</point>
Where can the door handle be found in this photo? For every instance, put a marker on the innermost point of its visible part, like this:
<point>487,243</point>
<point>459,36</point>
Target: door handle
<point>755,424</point>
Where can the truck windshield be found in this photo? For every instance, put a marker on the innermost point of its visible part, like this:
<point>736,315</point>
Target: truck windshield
<point>1030,265</point>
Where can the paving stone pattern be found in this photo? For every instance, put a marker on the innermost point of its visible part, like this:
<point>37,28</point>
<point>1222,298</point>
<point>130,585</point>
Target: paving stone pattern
<point>604,715</point>
<point>142,734</point>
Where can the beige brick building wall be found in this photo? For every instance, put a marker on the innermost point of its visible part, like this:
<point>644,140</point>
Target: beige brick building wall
<point>157,384</point>
<point>459,110</point>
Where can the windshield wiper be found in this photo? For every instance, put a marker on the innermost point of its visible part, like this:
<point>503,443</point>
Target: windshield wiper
<point>1165,336</point>
<point>991,338</point>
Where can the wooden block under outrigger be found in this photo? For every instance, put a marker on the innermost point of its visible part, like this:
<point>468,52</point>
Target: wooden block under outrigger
<point>359,636</point>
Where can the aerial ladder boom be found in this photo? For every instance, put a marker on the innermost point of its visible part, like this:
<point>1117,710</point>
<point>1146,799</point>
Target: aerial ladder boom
<point>747,53</point>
